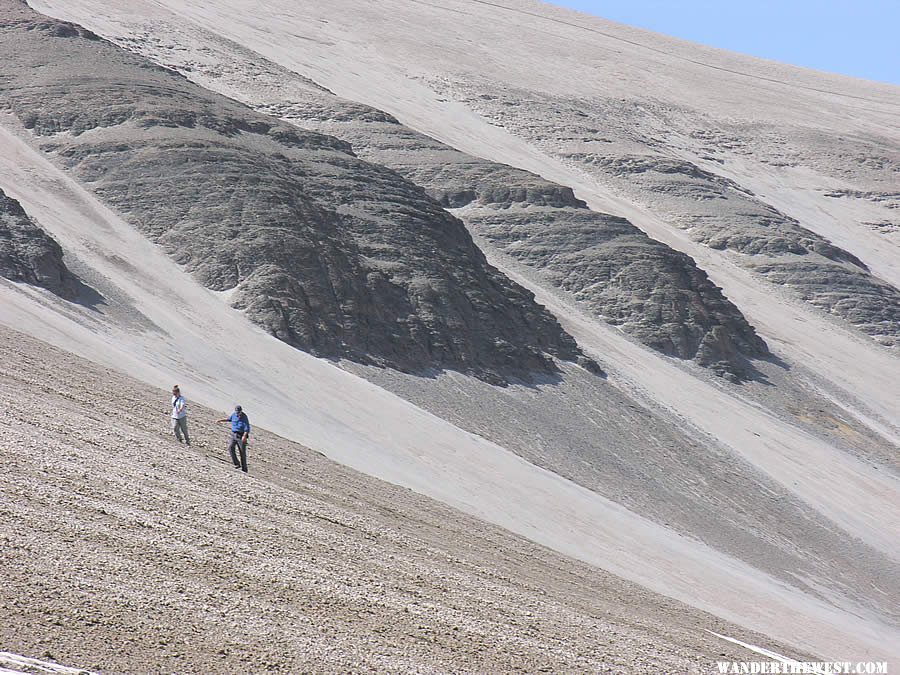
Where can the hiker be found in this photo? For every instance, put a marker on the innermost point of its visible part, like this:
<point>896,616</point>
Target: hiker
<point>179,416</point>
<point>240,432</point>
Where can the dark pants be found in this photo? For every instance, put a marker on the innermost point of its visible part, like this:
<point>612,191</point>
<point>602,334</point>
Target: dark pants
<point>180,427</point>
<point>237,442</point>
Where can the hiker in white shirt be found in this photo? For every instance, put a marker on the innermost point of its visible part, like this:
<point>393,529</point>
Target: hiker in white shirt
<point>179,415</point>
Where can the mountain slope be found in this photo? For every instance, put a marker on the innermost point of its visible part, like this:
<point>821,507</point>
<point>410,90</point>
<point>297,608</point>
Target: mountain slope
<point>126,552</point>
<point>759,502</point>
<point>215,354</point>
<point>652,292</point>
<point>612,90</point>
<point>715,210</point>
<point>328,253</point>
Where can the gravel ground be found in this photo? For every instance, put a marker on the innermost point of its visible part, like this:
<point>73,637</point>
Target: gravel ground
<point>126,552</point>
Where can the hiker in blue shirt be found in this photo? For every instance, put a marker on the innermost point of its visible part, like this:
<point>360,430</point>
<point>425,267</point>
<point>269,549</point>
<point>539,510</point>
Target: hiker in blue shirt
<point>240,432</point>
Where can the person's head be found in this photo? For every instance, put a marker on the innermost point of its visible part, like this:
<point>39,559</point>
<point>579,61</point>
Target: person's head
<point>176,391</point>
<point>237,409</point>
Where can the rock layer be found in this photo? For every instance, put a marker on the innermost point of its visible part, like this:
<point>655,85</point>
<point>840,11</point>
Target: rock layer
<point>638,150</point>
<point>651,291</point>
<point>724,216</point>
<point>28,254</point>
<point>329,253</point>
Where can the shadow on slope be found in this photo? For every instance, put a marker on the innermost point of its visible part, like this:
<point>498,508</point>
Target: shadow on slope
<point>662,467</point>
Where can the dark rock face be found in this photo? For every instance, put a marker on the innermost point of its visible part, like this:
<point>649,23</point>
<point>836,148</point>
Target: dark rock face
<point>724,216</point>
<point>654,293</point>
<point>329,253</point>
<point>720,213</point>
<point>866,302</point>
<point>637,148</point>
<point>28,254</point>
<point>651,291</point>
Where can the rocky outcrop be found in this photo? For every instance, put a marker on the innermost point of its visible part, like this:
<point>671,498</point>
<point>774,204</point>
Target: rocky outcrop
<point>649,290</point>
<point>330,253</point>
<point>637,149</point>
<point>717,211</point>
<point>652,292</point>
<point>845,291</point>
<point>29,255</point>
<point>724,216</point>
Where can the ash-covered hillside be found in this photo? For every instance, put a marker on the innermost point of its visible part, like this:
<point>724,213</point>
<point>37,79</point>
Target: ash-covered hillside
<point>463,190</point>
<point>654,293</point>
<point>120,563</point>
<point>773,178</point>
<point>613,143</point>
<point>330,253</point>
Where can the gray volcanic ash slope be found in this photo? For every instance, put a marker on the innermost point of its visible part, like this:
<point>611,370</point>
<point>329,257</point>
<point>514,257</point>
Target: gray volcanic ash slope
<point>761,502</point>
<point>654,293</point>
<point>715,210</point>
<point>29,254</point>
<point>790,174</point>
<point>327,252</point>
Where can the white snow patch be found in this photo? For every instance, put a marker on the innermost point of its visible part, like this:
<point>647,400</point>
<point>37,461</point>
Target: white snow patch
<point>775,656</point>
<point>8,660</point>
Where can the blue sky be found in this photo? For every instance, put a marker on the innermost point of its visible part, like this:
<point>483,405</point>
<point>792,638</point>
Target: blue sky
<point>852,37</point>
